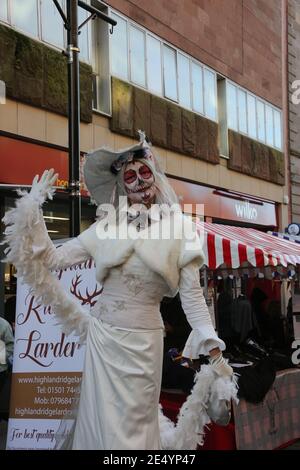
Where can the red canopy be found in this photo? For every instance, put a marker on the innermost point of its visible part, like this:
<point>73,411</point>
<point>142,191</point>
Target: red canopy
<point>239,246</point>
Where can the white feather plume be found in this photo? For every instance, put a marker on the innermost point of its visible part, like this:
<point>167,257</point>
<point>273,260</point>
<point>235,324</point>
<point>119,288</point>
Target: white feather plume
<point>25,238</point>
<point>193,419</point>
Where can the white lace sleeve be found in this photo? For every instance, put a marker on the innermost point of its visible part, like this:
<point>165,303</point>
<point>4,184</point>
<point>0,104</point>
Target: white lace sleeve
<point>33,254</point>
<point>203,337</point>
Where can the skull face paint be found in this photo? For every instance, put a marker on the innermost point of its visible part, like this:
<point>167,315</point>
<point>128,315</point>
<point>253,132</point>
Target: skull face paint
<point>139,183</point>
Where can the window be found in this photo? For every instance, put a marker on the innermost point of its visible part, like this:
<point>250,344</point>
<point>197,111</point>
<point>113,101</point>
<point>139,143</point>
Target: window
<point>25,16</point>
<point>137,56</point>
<point>184,81</point>
<point>170,75</point>
<point>52,24</point>
<point>242,111</point>
<point>84,36</point>
<point>261,128</point>
<point>197,88</point>
<point>101,63</point>
<point>232,107</point>
<point>119,49</point>
<point>41,19</point>
<point>154,78</point>
<point>3,10</point>
<point>277,129</point>
<point>210,98</point>
<point>269,126</point>
<point>251,109</point>
<point>252,116</point>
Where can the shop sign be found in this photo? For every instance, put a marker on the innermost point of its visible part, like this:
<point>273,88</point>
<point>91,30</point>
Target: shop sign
<point>244,210</point>
<point>21,161</point>
<point>47,364</point>
<point>229,206</point>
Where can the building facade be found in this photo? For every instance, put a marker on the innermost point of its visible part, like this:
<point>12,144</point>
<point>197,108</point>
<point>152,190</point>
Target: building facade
<point>204,79</point>
<point>294,105</point>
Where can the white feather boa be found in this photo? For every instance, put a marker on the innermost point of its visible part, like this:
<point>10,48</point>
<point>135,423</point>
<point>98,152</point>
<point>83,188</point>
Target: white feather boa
<point>189,431</point>
<point>26,237</point>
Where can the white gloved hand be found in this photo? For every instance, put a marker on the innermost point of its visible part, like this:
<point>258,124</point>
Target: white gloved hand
<point>42,188</point>
<point>220,365</point>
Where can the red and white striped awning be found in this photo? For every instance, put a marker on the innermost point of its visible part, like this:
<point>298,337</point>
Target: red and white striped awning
<point>238,246</point>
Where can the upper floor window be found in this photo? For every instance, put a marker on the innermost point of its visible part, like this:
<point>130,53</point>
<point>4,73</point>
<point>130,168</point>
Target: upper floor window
<point>170,73</point>
<point>154,62</point>
<point>252,116</point>
<point>119,48</point>
<point>184,77</point>
<point>138,56</point>
<point>52,24</point>
<point>41,20</point>
<point>24,15</point>
<point>3,10</point>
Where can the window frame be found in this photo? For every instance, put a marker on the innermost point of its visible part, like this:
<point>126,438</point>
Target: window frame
<point>45,41</point>
<point>128,29</point>
<point>161,62</point>
<point>265,104</point>
<point>215,93</point>
<point>255,116</point>
<point>39,38</point>
<point>202,86</point>
<point>17,28</point>
<point>190,80</point>
<point>7,20</point>
<point>176,73</point>
<point>128,55</point>
<point>281,127</point>
<point>177,51</point>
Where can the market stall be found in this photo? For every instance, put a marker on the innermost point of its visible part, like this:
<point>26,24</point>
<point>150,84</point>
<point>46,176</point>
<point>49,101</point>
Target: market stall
<point>257,274</point>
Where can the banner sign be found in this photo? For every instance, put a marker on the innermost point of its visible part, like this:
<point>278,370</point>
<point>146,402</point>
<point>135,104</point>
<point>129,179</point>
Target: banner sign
<point>47,364</point>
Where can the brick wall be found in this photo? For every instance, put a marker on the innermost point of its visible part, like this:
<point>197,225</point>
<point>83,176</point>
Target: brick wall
<point>239,38</point>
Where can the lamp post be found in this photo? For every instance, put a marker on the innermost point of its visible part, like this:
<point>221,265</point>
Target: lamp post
<point>72,53</point>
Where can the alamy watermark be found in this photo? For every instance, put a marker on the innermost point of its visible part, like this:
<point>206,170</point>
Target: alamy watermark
<point>296,93</point>
<point>136,221</point>
<point>296,353</point>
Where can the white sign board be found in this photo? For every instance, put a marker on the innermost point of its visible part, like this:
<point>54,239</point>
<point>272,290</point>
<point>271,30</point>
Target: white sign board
<point>47,364</point>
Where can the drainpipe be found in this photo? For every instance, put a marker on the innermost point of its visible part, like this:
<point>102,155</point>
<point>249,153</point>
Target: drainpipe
<point>285,104</point>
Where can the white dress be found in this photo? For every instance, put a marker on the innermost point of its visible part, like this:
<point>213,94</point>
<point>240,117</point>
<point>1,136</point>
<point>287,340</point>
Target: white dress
<point>124,335</point>
<point>124,351</point>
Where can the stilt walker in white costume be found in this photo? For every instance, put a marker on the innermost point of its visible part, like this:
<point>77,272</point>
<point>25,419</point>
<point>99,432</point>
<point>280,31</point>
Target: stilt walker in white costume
<point>119,400</point>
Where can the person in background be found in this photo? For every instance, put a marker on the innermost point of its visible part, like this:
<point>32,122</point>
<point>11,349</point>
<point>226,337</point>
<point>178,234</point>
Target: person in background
<point>177,331</point>
<point>6,358</point>
<point>10,312</point>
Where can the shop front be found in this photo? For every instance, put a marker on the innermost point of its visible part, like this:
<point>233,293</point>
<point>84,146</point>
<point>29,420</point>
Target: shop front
<point>227,207</point>
<point>249,280</point>
<point>21,160</point>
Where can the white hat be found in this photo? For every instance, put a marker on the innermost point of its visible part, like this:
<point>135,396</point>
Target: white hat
<point>102,166</point>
